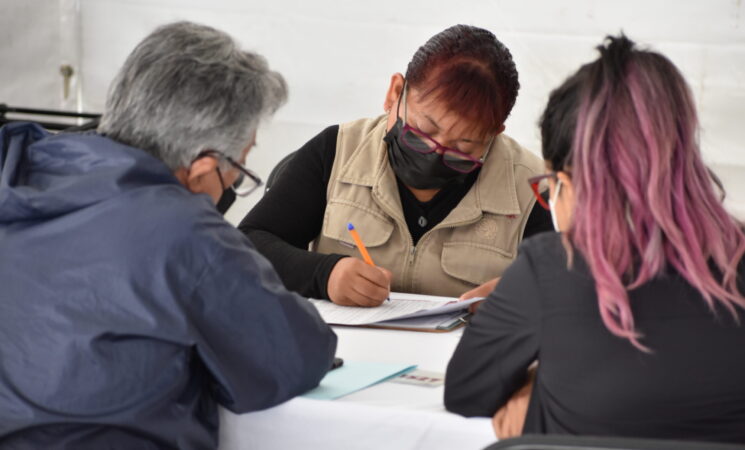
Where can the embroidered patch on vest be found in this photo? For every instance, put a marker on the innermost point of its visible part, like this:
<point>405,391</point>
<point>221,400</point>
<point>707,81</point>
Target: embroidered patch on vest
<point>487,228</point>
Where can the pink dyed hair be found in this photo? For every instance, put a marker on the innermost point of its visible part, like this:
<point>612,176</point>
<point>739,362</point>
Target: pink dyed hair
<point>644,199</point>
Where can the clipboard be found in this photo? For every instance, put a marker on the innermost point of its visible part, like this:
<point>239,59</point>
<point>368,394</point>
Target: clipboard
<point>429,324</point>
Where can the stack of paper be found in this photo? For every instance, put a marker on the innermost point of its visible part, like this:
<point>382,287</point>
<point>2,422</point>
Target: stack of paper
<point>403,310</point>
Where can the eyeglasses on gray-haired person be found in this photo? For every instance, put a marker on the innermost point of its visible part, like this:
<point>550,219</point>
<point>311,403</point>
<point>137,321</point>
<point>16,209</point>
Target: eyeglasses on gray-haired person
<point>186,88</point>
<point>246,182</point>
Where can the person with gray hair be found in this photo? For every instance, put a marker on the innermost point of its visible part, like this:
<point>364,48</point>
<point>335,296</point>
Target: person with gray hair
<point>130,307</point>
<point>188,88</point>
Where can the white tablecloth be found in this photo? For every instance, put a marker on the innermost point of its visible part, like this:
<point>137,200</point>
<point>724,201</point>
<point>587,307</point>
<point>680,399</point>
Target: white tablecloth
<point>385,416</point>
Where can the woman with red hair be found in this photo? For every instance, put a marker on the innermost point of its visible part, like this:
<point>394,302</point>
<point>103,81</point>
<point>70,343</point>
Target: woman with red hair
<point>438,192</point>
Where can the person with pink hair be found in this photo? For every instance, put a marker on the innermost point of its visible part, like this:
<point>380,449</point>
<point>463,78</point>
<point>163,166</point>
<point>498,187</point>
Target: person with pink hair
<point>633,309</point>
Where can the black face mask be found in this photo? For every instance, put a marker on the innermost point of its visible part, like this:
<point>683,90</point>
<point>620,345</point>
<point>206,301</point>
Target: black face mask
<point>418,170</point>
<point>226,200</point>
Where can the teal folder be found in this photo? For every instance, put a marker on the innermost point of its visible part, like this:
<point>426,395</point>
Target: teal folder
<point>354,376</point>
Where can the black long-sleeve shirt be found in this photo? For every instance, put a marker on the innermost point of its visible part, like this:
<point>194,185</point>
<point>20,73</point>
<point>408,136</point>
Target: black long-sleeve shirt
<point>290,216</point>
<point>589,381</point>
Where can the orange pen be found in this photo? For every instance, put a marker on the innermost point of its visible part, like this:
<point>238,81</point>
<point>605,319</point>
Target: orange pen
<point>360,245</point>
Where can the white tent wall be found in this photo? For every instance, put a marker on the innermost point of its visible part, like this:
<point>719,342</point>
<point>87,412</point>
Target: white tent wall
<point>30,53</point>
<point>338,56</point>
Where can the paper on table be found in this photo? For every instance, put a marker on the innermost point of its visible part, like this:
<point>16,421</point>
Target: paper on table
<point>354,376</point>
<point>401,306</point>
<point>439,322</point>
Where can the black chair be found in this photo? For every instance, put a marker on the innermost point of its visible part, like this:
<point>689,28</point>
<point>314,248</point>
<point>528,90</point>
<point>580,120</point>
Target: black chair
<point>562,442</point>
<point>277,171</point>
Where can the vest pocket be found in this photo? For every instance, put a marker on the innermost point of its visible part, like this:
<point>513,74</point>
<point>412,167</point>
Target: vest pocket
<point>474,263</point>
<point>374,228</point>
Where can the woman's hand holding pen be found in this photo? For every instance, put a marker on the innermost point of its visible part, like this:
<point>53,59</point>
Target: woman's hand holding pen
<point>355,283</point>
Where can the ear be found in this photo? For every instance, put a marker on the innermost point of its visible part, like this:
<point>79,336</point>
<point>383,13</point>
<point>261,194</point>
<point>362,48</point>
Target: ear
<point>500,130</point>
<point>200,169</point>
<point>394,91</point>
<point>202,178</point>
<point>566,182</point>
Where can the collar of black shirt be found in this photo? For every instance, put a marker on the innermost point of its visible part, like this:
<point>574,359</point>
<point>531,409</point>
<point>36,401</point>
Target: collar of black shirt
<point>423,216</point>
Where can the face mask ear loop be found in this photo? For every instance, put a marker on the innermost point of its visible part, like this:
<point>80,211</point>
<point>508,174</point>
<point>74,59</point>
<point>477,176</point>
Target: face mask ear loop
<point>219,175</point>
<point>402,97</point>
<point>486,153</point>
<point>558,190</point>
<point>552,206</point>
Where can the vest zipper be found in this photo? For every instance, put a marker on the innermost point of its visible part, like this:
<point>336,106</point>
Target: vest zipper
<point>408,282</point>
<point>412,253</point>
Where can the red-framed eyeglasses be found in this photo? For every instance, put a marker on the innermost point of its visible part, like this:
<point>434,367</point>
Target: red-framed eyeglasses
<point>420,142</point>
<point>535,185</point>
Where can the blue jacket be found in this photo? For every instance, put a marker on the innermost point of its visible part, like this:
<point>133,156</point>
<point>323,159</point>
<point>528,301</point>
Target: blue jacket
<point>129,308</point>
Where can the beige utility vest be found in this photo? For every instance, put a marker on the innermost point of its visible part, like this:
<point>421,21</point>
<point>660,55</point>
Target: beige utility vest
<point>472,245</point>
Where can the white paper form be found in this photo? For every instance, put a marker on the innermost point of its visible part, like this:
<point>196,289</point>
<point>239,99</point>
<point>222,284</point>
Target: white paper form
<point>401,306</point>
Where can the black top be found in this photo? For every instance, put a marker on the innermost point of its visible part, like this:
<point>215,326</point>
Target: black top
<point>692,385</point>
<point>423,216</point>
<point>290,216</point>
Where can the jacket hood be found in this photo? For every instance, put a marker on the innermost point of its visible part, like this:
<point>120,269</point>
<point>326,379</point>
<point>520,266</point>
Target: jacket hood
<point>44,175</point>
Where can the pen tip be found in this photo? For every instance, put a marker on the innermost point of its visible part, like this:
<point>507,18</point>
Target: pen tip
<point>350,226</point>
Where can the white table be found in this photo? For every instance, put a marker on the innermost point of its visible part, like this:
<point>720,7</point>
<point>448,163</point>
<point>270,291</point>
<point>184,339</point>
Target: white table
<point>387,415</point>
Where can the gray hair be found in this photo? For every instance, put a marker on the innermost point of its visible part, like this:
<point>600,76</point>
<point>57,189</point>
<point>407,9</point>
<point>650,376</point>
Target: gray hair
<point>187,88</point>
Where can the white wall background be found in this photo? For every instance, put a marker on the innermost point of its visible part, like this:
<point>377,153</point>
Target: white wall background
<point>338,56</point>
<point>27,60</point>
